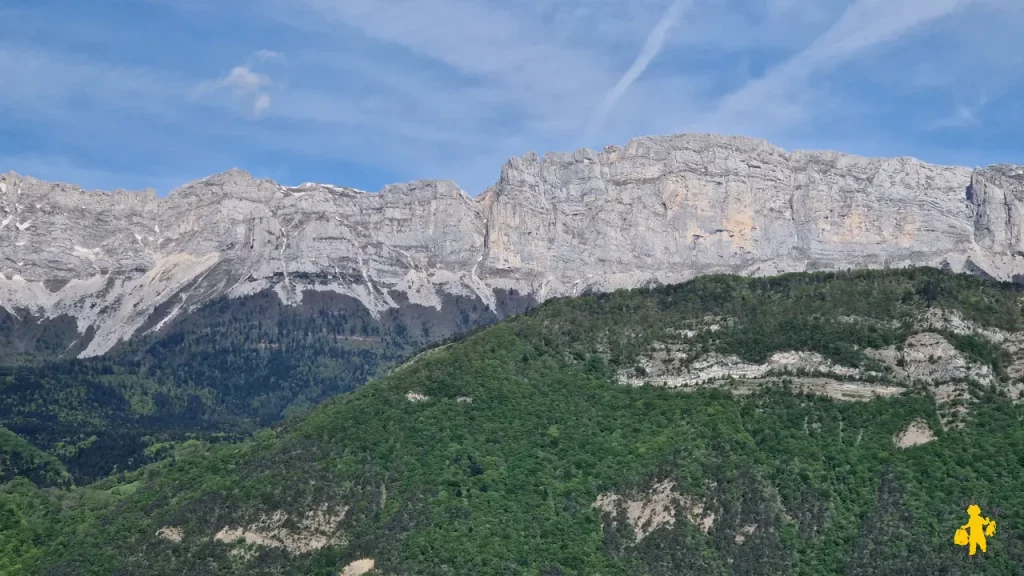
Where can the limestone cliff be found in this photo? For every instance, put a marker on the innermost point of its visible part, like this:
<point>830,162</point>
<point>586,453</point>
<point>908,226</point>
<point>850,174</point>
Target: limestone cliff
<point>660,209</point>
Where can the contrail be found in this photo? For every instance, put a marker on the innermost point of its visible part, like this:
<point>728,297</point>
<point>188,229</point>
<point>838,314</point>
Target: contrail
<point>652,46</point>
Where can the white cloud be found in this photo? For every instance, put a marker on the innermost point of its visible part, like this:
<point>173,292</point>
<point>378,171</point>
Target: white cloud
<point>782,96</point>
<point>260,104</point>
<point>652,47</point>
<point>241,79</point>
<point>243,82</point>
<point>867,23</point>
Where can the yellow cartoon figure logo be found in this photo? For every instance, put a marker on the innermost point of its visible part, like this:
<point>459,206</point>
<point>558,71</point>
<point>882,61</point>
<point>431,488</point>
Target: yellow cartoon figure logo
<point>975,530</point>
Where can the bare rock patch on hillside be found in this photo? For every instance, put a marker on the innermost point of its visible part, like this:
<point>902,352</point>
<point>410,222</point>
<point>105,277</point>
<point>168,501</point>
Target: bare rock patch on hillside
<point>654,509</point>
<point>926,360</point>
<point>358,567</point>
<point>416,397</point>
<point>916,433</point>
<point>315,530</point>
<point>171,533</point>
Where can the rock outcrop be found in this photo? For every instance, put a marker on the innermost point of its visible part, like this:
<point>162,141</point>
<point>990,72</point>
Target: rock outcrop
<point>660,209</point>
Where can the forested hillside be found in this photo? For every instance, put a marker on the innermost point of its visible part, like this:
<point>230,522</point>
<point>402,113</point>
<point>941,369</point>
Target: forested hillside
<point>804,424</point>
<point>20,458</point>
<point>225,369</point>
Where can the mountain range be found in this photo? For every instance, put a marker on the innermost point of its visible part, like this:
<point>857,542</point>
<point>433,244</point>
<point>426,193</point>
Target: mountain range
<point>82,272</point>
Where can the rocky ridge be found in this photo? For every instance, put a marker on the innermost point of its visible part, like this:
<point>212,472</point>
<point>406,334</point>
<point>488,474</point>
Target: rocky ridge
<point>926,360</point>
<point>658,210</point>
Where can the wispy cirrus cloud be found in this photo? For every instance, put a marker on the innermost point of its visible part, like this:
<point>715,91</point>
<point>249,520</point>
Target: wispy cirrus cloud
<point>965,115</point>
<point>264,54</point>
<point>782,90</point>
<point>652,47</point>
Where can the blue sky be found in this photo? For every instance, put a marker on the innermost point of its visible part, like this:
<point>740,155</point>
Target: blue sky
<point>154,93</point>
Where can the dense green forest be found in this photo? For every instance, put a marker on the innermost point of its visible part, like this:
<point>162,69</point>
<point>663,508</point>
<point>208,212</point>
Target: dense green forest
<point>490,454</point>
<point>20,458</point>
<point>223,370</point>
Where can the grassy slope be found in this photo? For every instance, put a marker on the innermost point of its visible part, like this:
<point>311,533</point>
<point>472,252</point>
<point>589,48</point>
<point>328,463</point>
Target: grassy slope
<point>505,484</point>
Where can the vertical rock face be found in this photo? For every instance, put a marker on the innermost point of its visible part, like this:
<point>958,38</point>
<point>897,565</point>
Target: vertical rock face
<point>660,209</point>
<point>996,195</point>
<point>669,208</point>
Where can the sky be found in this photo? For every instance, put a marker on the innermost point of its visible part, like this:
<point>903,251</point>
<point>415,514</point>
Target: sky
<point>141,94</point>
